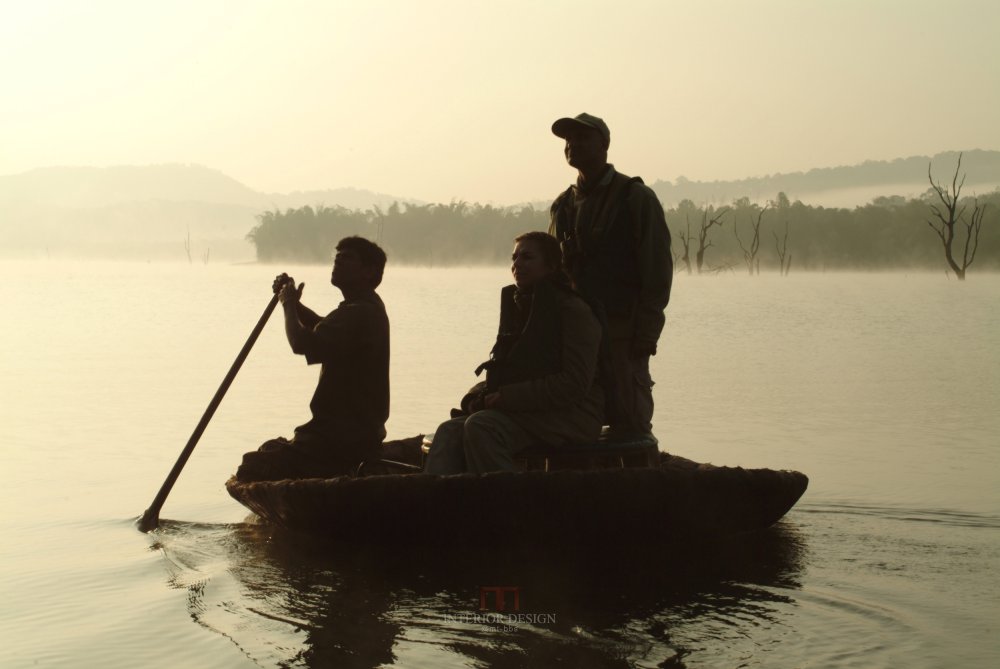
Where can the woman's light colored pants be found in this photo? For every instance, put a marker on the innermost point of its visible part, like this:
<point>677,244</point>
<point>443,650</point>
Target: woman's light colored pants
<point>484,442</point>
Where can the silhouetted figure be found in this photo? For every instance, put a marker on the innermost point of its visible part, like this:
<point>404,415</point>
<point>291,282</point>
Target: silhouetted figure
<point>616,248</point>
<point>540,383</point>
<point>351,401</point>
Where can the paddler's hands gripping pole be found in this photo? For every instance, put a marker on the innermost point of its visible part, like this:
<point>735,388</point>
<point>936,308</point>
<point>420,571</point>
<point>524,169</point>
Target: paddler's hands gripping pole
<point>151,519</point>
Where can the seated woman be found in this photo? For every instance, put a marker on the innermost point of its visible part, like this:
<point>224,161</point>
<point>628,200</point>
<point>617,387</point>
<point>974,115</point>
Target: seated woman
<point>541,385</point>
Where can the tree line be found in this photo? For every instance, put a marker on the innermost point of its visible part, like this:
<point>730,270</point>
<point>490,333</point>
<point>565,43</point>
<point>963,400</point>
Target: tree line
<point>457,233</point>
<point>778,236</point>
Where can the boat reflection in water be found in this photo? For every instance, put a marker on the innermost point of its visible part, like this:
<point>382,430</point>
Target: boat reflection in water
<point>290,600</point>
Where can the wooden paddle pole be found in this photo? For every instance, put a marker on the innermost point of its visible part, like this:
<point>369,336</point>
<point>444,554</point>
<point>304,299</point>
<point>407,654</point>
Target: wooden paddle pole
<point>151,518</point>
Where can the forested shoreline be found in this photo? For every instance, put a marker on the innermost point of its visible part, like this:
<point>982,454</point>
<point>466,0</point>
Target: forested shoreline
<point>888,233</point>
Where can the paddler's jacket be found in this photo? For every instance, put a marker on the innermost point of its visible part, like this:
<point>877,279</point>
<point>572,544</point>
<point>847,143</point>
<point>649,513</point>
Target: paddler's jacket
<point>616,246</point>
<point>544,364</point>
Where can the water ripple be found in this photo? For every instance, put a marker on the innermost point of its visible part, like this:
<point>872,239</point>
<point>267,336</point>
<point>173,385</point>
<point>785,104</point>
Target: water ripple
<point>941,516</point>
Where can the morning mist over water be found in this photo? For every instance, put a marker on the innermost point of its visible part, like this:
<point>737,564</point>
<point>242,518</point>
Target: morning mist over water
<point>176,212</point>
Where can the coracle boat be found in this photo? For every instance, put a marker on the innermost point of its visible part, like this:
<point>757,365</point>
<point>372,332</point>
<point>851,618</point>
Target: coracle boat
<point>665,499</point>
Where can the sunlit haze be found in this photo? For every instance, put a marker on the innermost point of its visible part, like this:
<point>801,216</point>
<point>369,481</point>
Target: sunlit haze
<point>440,100</point>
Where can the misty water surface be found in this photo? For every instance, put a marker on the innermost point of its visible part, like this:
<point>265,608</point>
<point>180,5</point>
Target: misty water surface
<point>882,388</point>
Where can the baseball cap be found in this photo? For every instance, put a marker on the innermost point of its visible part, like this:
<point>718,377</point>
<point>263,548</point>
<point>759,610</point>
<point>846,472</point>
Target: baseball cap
<point>562,127</point>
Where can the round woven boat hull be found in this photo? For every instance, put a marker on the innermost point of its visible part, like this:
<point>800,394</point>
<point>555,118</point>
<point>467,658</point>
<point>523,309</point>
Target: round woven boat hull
<point>679,499</point>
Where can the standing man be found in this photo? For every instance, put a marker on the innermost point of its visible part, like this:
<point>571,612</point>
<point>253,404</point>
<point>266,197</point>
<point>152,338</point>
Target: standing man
<point>616,247</point>
<point>351,402</point>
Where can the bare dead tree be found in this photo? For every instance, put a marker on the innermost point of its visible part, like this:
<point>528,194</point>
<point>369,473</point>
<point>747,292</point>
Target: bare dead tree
<point>750,252</point>
<point>949,214</point>
<point>781,246</point>
<point>703,241</point>
<point>686,238</point>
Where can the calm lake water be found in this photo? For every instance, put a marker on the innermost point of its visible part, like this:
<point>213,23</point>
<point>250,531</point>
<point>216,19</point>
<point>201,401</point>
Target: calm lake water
<point>883,388</point>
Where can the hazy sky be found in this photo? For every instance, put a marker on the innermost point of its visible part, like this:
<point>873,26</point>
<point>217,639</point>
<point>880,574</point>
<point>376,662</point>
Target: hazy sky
<point>438,99</point>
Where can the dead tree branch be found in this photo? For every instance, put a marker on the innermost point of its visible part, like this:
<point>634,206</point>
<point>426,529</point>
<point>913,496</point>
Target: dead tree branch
<point>781,246</point>
<point>949,212</point>
<point>703,241</point>
<point>750,251</point>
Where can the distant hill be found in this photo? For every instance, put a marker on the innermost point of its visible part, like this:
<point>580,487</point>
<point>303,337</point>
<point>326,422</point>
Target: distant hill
<point>145,211</point>
<point>80,187</point>
<point>83,187</point>
<point>846,186</point>
<point>167,211</point>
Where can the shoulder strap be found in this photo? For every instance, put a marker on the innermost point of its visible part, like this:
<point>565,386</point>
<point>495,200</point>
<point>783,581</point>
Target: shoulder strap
<point>557,219</point>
